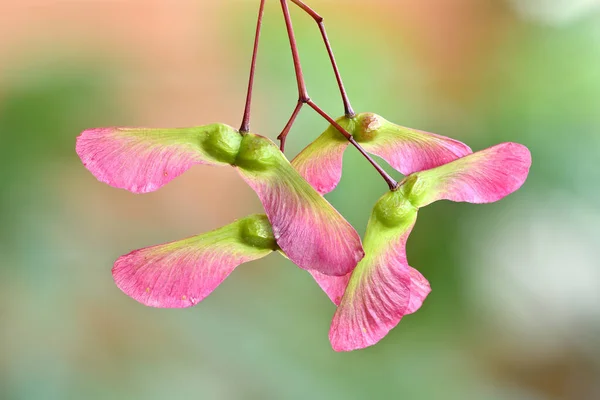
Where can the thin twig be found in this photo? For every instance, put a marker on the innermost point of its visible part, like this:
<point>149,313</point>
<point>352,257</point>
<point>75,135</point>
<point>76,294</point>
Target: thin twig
<point>319,20</point>
<point>304,98</point>
<point>302,92</point>
<point>245,127</point>
<point>283,135</point>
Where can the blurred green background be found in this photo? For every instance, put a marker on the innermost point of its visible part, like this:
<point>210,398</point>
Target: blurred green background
<point>515,307</point>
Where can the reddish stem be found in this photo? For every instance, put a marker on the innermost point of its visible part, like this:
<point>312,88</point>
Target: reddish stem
<point>392,183</point>
<point>319,20</point>
<point>302,92</point>
<point>283,135</point>
<point>245,127</point>
<point>303,98</point>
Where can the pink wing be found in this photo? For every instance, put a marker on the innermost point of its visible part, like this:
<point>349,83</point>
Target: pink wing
<point>142,160</point>
<point>406,150</point>
<point>377,297</point>
<point>320,163</point>
<point>181,274</point>
<point>482,177</point>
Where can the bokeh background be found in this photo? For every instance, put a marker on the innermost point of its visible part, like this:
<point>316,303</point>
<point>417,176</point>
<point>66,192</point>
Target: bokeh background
<point>515,307</point>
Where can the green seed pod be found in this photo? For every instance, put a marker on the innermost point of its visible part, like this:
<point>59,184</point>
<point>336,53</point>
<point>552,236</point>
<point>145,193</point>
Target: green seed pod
<point>256,231</point>
<point>257,153</point>
<point>414,189</point>
<point>394,209</point>
<point>222,143</point>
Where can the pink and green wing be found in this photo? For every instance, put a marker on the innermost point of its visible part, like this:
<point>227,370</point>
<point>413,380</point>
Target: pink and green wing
<point>335,286</point>
<point>419,290</point>
<point>379,293</point>
<point>181,274</point>
<point>375,300</point>
<point>320,163</point>
<point>307,228</point>
<point>142,160</point>
<point>482,177</point>
<point>406,150</point>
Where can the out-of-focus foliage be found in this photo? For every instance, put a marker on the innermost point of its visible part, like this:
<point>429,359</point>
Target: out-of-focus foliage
<point>514,311</point>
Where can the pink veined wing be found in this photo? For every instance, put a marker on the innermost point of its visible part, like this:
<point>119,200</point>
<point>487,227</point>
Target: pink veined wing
<point>406,150</point>
<point>181,274</point>
<point>334,287</point>
<point>142,160</point>
<point>419,289</point>
<point>307,228</point>
<point>378,294</point>
<point>320,163</point>
<point>482,177</point>
<point>376,299</point>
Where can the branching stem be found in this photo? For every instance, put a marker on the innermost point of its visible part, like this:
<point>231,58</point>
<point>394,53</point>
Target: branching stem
<point>319,20</point>
<point>283,135</point>
<point>392,183</point>
<point>304,98</point>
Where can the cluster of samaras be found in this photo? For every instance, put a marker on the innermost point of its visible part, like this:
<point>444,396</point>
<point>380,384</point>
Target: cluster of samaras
<point>370,281</point>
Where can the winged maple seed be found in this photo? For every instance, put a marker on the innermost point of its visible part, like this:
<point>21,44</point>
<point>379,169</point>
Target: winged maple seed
<point>406,150</point>
<point>181,274</point>
<point>373,287</point>
<point>383,288</point>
